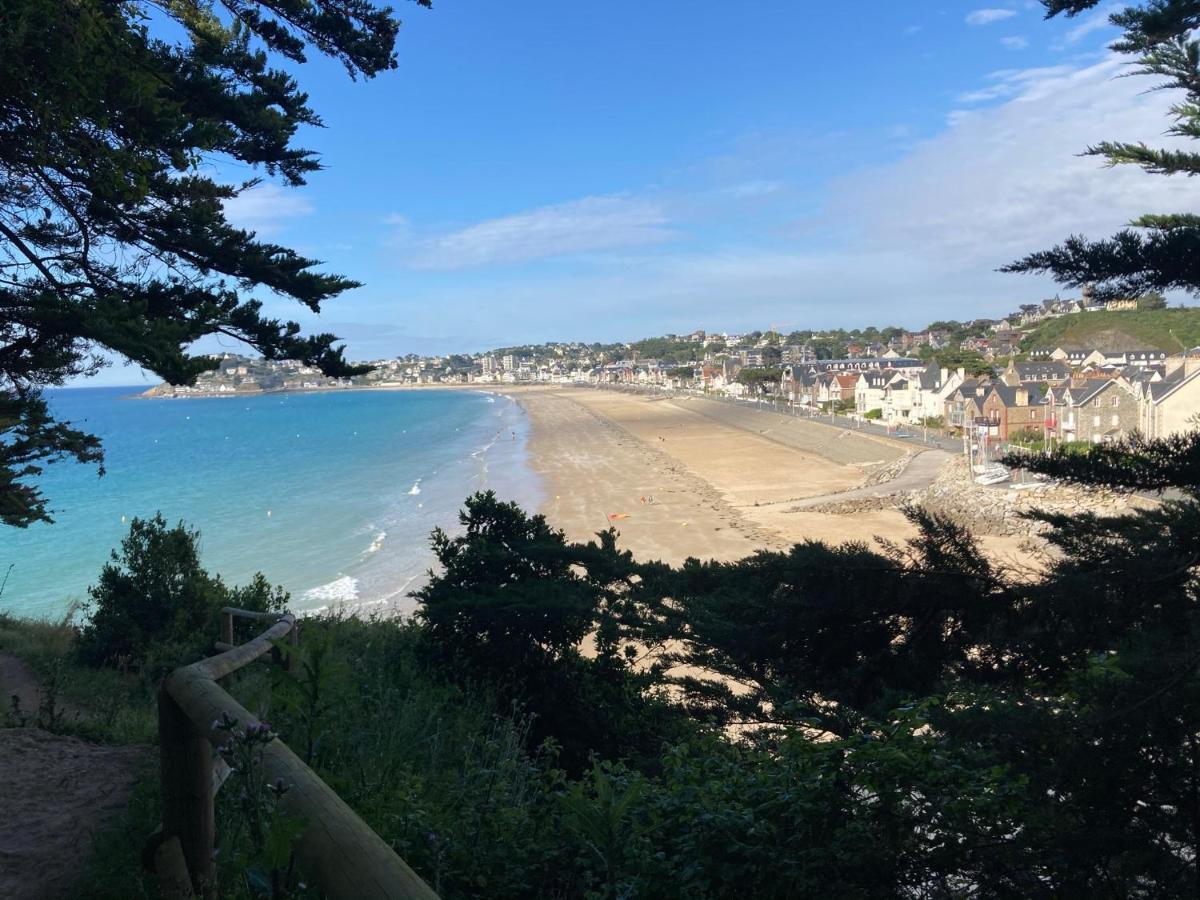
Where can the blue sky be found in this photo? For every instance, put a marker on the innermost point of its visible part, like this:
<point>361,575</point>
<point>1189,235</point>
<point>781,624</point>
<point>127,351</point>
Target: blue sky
<point>604,171</point>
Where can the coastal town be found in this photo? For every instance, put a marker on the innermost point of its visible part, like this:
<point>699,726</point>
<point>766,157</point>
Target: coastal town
<point>1023,379</point>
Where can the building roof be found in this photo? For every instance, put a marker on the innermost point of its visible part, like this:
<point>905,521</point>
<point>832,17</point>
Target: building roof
<point>1008,394</point>
<point>1050,370</point>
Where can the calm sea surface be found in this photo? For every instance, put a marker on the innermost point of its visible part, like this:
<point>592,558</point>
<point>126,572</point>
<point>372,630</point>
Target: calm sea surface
<point>332,495</point>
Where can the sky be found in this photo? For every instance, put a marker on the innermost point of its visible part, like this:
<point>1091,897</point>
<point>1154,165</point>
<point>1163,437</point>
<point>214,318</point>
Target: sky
<point>608,171</point>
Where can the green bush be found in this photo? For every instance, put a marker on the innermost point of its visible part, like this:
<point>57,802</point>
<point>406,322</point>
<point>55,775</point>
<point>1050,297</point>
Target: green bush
<point>155,606</point>
<point>873,414</point>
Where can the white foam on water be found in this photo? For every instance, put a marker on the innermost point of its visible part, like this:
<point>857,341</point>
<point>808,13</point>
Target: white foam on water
<point>416,488</point>
<point>341,590</point>
<point>376,542</point>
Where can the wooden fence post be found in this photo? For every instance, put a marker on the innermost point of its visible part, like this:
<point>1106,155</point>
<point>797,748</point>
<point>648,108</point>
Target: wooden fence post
<point>294,643</point>
<point>187,790</point>
<point>227,627</point>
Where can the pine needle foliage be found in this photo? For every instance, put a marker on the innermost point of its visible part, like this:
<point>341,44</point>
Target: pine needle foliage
<point>114,240</point>
<point>1158,251</point>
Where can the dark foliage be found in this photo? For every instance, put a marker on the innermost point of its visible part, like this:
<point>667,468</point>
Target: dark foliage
<point>511,609</point>
<point>155,605</point>
<point>112,237</point>
<point>1163,253</point>
<point>1135,463</point>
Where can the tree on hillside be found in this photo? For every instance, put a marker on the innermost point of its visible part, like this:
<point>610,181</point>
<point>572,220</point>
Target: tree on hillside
<point>759,380</point>
<point>113,234</point>
<point>1159,251</point>
<point>1152,300</point>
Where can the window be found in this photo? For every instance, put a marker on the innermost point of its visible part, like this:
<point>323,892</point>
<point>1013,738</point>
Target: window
<point>1095,421</point>
<point>1116,421</point>
<point>1116,401</point>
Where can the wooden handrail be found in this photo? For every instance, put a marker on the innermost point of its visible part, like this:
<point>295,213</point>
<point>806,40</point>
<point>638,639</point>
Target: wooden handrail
<point>339,852</point>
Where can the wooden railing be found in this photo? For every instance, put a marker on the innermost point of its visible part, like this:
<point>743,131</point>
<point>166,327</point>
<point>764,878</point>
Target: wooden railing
<point>337,851</point>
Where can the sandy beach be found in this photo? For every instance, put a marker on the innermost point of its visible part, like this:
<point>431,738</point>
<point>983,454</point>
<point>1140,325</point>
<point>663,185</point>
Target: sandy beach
<point>724,481</point>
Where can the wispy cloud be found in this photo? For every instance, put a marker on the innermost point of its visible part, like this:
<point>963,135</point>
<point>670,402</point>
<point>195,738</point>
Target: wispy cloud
<point>1008,83</point>
<point>266,208</point>
<point>1014,42</point>
<point>988,16</point>
<point>1007,179</point>
<point>580,226</point>
<point>1095,21</point>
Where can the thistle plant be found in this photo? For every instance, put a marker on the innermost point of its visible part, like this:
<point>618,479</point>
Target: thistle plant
<point>257,837</point>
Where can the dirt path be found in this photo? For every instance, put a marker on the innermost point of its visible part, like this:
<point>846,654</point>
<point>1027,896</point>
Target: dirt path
<point>56,792</point>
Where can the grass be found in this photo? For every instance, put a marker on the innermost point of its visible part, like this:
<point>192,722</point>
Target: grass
<point>103,706</point>
<point>1159,329</point>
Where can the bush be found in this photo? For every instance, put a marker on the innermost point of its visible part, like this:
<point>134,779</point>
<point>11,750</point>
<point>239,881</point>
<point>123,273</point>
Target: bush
<point>155,605</point>
<point>512,607</point>
<point>873,414</point>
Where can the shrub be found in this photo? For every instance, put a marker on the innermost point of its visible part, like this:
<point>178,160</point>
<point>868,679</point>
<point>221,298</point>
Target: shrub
<point>155,604</point>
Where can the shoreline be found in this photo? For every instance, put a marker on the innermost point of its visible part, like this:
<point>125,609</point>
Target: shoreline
<point>241,395</point>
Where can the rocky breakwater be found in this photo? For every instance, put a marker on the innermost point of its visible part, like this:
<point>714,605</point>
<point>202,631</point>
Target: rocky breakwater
<point>1001,509</point>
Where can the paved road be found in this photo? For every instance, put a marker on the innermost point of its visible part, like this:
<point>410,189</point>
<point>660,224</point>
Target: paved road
<point>917,475</point>
<point>917,438</point>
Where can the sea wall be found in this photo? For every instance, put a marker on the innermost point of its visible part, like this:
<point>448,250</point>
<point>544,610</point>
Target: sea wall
<point>992,509</point>
<point>840,445</point>
<point>1000,509</point>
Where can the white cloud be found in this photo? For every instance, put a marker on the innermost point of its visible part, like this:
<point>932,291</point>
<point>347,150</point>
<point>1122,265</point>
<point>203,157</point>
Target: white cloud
<point>1015,42</point>
<point>266,208</point>
<point>1097,20</point>
<point>988,16</point>
<point>580,226</point>
<point>1007,83</point>
<point>1006,180</point>
<point>908,242</point>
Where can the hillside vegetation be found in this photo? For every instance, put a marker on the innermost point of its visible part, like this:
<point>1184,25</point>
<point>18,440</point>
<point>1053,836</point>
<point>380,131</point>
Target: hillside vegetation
<point>1143,329</point>
<point>675,757</point>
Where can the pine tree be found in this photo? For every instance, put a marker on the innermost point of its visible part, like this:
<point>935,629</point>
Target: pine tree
<point>113,237</point>
<point>1158,251</point>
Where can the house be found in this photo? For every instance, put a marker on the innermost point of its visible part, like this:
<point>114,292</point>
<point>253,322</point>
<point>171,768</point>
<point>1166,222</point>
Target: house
<point>1094,410</point>
<point>933,386</point>
<point>799,384</point>
<point>1047,371</point>
<point>1031,313</point>
<point>751,358</point>
<point>975,344</point>
<point>1172,405</point>
<point>1135,357</point>
<point>795,354</point>
<point>871,388</point>
<point>1078,358</point>
<point>1014,410</point>
<point>964,403</point>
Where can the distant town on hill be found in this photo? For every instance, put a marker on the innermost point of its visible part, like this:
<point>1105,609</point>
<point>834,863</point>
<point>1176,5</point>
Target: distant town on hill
<point>1055,371</point>
<point>1033,331</point>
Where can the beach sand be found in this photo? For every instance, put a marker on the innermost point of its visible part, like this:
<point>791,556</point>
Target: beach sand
<point>723,483</point>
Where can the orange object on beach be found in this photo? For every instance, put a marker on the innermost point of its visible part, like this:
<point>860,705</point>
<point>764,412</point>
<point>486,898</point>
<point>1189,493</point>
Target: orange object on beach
<point>612,516</point>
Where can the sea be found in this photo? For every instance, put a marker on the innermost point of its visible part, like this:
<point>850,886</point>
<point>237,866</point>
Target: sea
<point>331,494</point>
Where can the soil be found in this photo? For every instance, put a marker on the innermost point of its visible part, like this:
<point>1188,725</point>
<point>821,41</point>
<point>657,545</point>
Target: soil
<point>56,793</point>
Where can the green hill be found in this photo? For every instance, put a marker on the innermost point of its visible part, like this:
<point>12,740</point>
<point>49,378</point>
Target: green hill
<point>1143,329</point>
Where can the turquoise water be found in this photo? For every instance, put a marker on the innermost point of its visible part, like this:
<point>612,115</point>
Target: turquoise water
<point>332,495</point>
